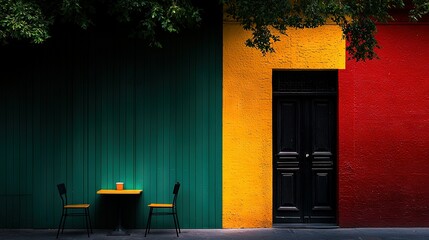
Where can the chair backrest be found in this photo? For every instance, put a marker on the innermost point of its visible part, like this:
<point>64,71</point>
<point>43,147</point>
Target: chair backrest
<point>63,193</point>
<point>175,192</point>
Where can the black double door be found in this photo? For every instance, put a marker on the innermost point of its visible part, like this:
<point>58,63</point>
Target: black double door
<point>304,165</point>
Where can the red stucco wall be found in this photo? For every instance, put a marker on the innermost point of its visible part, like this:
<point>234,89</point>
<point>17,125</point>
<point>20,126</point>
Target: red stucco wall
<point>384,133</point>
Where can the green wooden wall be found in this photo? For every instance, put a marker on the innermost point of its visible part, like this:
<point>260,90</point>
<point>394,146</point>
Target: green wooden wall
<point>91,109</point>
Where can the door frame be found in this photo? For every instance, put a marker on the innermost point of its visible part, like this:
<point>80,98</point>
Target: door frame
<point>277,93</point>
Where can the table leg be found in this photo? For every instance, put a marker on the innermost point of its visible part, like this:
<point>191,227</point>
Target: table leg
<point>119,230</point>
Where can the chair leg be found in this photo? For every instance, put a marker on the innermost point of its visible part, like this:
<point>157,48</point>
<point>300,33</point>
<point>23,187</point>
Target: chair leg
<point>64,222</point>
<point>177,219</point>
<point>148,222</point>
<point>89,219</point>
<point>175,224</point>
<point>59,226</point>
<point>86,220</point>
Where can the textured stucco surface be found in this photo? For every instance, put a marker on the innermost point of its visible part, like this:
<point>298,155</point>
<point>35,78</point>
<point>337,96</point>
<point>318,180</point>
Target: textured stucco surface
<point>247,114</point>
<point>384,133</point>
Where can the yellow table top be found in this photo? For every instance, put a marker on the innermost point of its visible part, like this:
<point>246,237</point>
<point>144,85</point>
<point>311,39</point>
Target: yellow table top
<point>114,191</point>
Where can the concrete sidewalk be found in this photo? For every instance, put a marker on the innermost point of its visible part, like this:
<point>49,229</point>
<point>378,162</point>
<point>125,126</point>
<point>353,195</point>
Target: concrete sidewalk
<point>218,234</point>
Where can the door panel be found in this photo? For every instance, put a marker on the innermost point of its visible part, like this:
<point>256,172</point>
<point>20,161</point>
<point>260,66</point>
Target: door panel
<point>289,124</point>
<point>323,135</point>
<point>304,159</point>
<point>288,197</point>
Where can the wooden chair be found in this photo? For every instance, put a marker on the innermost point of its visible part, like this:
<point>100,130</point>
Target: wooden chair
<point>169,206</point>
<point>73,208</point>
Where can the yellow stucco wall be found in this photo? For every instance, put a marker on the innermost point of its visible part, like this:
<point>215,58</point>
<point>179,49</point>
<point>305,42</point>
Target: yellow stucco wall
<point>247,114</point>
